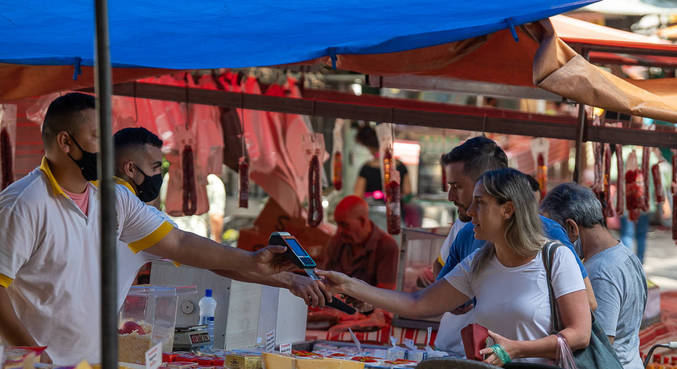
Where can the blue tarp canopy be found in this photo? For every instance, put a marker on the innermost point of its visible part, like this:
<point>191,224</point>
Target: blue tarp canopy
<point>180,34</point>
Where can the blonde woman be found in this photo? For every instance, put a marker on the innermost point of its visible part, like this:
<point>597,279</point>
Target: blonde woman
<point>506,276</point>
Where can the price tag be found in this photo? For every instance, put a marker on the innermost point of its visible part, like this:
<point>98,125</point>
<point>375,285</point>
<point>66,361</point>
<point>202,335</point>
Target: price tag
<point>270,341</point>
<point>154,357</point>
<point>285,348</point>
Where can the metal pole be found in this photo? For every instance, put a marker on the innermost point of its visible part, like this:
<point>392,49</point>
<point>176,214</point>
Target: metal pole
<point>103,88</point>
<point>580,132</point>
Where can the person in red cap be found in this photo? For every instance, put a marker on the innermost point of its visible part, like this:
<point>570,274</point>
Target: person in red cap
<point>359,248</point>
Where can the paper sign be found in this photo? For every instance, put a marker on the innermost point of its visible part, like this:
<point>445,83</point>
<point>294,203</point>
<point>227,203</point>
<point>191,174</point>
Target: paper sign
<point>154,357</point>
<point>270,341</point>
<point>285,348</point>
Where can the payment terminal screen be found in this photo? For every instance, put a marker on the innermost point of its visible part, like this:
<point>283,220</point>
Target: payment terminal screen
<point>298,250</point>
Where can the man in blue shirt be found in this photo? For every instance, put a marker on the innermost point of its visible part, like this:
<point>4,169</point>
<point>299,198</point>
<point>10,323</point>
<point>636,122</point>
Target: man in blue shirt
<point>463,166</point>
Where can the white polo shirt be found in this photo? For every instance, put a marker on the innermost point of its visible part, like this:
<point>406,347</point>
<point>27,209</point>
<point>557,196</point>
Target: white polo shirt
<point>50,260</point>
<point>129,261</point>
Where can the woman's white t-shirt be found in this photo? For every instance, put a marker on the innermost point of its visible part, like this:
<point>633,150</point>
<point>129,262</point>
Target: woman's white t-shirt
<point>514,301</point>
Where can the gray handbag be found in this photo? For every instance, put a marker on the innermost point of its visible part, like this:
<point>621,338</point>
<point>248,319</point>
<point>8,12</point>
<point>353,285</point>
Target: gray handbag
<point>599,353</point>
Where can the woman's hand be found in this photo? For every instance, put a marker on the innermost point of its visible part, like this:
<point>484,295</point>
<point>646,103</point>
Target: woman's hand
<point>314,293</point>
<point>509,346</point>
<point>337,282</point>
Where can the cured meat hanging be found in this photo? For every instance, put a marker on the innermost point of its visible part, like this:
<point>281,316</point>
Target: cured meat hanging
<point>645,175</point>
<point>673,190</point>
<point>658,185</point>
<point>337,174</point>
<point>189,188</point>
<point>387,165</point>
<point>393,196</point>
<point>674,217</point>
<point>243,193</point>
<point>315,211</point>
<point>6,157</point>
<point>607,207</point>
<point>542,175</point>
<point>337,156</point>
<point>634,188</point>
<point>620,185</point>
<point>445,184</point>
<point>598,184</point>
<point>673,184</point>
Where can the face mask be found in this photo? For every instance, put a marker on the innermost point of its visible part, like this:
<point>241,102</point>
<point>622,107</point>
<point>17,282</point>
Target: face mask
<point>87,163</point>
<point>578,248</point>
<point>149,189</point>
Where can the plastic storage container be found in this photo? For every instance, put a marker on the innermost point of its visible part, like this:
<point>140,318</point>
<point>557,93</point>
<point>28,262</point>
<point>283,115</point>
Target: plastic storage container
<point>148,317</point>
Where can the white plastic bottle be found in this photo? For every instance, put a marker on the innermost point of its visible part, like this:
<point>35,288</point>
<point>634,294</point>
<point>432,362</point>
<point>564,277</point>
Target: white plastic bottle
<point>207,310</point>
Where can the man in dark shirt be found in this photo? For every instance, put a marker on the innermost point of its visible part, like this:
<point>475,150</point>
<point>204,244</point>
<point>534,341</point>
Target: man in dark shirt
<point>359,248</point>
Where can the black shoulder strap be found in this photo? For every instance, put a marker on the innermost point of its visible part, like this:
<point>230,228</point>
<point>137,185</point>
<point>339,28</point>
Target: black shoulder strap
<point>548,253</point>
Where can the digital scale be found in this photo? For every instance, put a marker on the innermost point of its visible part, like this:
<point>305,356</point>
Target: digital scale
<point>190,338</point>
<point>296,253</point>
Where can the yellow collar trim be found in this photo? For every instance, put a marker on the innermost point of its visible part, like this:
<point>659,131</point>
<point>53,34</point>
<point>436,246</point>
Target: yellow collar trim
<point>56,188</point>
<point>119,181</point>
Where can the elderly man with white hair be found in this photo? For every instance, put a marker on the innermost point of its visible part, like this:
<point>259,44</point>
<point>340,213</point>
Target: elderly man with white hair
<point>616,274</point>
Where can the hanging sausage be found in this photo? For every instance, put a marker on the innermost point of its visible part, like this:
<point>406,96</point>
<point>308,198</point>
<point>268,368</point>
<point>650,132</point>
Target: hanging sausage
<point>673,185</point>
<point>598,184</point>
<point>620,193</point>
<point>337,174</point>
<point>607,207</point>
<point>337,156</point>
<point>445,184</point>
<point>243,172</point>
<point>393,197</point>
<point>645,175</point>
<point>673,190</point>
<point>674,217</point>
<point>6,157</point>
<point>189,189</point>
<point>658,185</point>
<point>634,188</point>
<point>387,165</point>
<point>542,175</point>
<point>315,211</point>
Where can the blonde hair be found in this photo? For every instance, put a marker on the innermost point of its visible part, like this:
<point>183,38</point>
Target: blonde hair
<point>524,230</point>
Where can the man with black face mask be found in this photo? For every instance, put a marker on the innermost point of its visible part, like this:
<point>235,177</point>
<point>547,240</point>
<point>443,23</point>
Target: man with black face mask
<point>138,162</point>
<point>138,166</point>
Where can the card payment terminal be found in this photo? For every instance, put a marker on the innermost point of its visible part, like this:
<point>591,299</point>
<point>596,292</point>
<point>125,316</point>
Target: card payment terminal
<point>296,253</point>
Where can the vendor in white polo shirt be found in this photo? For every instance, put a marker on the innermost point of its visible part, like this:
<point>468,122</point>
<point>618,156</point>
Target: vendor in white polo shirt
<point>50,241</point>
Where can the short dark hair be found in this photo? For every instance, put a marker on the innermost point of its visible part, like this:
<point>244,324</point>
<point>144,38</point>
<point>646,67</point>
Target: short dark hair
<point>478,155</point>
<point>137,136</point>
<point>573,201</point>
<point>63,114</point>
<point>367,137</point>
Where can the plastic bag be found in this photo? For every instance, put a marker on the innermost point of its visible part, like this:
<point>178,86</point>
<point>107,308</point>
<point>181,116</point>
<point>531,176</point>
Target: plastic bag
<point>565,357</point>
